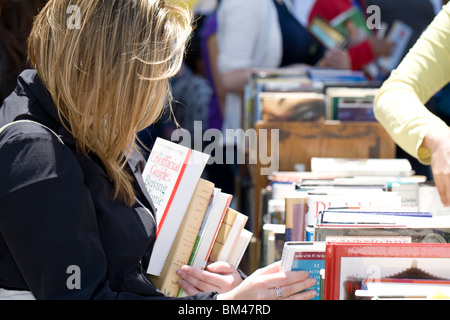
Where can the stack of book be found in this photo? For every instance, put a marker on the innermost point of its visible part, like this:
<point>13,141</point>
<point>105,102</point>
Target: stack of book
<point>372,267</point>
<point>195,226</point>
<point>361,236</point>
<point>299,94</point>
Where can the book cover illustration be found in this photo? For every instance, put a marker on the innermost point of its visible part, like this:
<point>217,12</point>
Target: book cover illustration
<point>348,264</point>
<point>413,282</point>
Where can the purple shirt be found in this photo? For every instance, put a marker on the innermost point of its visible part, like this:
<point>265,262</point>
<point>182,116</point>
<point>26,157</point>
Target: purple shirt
<point>209,28</point>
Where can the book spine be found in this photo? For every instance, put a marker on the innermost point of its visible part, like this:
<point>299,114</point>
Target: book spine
<point>224,232</point>
<point>205,261</point>
<point>332,275</point>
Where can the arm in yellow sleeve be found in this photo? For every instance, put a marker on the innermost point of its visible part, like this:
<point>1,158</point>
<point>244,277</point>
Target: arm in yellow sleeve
<point>399,105</point>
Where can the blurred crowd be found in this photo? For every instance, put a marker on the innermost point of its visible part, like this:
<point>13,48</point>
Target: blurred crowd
<point>231,38</point>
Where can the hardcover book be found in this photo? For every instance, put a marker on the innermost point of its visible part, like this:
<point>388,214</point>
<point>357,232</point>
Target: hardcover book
<point>362,167</point>
<point>352,198</point>
<point>375,216</point>
<point>348,264</point>
<point>209,230</point>
<point>305,256</point>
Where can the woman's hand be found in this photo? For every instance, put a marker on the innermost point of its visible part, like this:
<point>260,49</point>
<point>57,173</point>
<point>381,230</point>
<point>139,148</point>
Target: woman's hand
<point>219,277</point>
<point>381,47</point>
<point>336,58</point>
<point>438,142</point>
<point>269,282</point>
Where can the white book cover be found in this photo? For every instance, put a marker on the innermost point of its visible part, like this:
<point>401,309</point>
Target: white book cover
<point>170,175</point>
<point>362,167</point>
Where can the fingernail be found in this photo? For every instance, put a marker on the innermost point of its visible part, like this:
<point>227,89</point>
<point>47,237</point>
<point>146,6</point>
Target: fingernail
<point>313,293</point>
<point>312,281</point>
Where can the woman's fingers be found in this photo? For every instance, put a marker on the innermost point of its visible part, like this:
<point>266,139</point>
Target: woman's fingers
<point>220,267</point>
<point>218,277</point>
<point>200,279</point>
<point>296,289</point>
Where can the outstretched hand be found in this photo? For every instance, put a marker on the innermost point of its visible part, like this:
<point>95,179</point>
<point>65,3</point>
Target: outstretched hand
<point>438,142</point>
<point>270,283</point>
<point>267,283</point>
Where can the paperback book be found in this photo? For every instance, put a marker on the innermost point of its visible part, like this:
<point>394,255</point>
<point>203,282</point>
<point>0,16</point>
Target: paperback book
<point>169,175</point>
<point>184,241</point>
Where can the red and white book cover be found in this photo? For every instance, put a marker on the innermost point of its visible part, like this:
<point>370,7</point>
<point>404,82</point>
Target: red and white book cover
<point>170,175</point>
<point>348,265</point>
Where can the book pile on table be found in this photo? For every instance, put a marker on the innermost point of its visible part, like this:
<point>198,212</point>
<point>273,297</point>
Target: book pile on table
<point>362,236</point>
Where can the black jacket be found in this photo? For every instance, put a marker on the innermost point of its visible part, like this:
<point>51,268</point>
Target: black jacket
<point>57,213</point>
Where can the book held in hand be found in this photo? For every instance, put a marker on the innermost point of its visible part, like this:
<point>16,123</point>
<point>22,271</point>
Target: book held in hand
<point>184,241</point>
<point>170,175</point>
<point>305,256</point>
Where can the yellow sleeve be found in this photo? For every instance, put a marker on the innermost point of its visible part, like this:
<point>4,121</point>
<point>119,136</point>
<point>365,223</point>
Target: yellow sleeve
<point>399,105</point>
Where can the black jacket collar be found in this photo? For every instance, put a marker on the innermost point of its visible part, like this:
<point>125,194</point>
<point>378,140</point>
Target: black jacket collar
<point>31,100</point>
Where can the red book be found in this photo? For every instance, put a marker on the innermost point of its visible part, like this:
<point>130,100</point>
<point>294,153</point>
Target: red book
<point>348,264</point>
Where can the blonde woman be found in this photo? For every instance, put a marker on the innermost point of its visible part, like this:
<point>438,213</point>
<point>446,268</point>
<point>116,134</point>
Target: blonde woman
<point>75,221</point>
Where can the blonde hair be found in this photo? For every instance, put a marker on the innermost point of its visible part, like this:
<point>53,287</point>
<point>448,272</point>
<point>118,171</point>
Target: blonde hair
<point>109,78</point>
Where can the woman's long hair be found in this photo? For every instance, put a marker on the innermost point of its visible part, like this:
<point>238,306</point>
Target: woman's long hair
<point>107,66</point>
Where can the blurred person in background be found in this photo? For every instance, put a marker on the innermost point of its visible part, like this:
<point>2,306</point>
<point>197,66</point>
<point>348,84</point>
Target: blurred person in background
<point>16,18</point>
<point>261,34</point>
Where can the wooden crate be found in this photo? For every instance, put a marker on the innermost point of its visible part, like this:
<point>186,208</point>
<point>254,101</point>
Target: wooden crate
<point>300,141</point>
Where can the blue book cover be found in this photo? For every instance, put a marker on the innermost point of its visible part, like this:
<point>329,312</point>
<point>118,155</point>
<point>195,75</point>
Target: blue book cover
<point>311,262</point>
<point>305,256</point>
